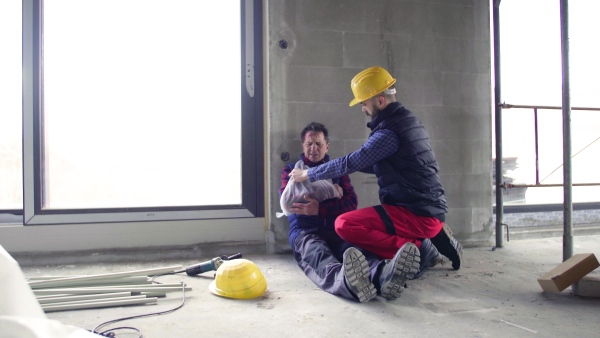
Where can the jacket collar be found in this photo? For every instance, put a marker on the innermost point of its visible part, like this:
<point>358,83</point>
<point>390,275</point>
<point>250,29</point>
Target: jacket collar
<point>313,164</point>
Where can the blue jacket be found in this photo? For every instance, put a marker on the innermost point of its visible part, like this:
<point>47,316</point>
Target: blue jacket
<point>409,177</point>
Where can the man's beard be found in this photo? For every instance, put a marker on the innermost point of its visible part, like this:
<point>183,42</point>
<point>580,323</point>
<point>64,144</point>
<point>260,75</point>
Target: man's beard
<point>375,112</point>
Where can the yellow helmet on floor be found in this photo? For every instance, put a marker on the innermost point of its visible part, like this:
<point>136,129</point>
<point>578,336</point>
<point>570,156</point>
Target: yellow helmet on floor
<point>239,279</point>
<point>369,83</point>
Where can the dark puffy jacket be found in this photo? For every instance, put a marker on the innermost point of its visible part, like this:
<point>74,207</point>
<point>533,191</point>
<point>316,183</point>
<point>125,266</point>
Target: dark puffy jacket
<point>409,178</point>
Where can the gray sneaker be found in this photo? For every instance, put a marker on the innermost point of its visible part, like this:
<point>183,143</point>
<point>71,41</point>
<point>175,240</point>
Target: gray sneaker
<point>396,271</point>
<point>356,273</point>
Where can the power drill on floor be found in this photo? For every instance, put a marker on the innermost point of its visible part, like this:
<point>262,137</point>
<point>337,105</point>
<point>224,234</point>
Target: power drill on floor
<point>211,265</point>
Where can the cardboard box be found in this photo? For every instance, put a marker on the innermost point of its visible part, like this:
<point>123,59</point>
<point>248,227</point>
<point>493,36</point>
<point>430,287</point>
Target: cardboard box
<point>569,272</point>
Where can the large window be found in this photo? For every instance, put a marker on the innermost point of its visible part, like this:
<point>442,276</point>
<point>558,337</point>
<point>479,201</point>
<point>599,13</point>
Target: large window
<point>532,76</point>
<point>142,110</point>
<point>11,170</point>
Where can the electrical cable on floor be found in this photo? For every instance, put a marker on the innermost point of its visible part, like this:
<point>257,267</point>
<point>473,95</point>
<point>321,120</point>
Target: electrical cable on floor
<point>110,333</point>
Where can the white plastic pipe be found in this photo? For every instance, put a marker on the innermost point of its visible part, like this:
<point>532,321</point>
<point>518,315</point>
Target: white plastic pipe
<point>53,299</point>
<point>138,285</point>
<point>112,281</point>
<point>74,280</point>
<point>97,300</point>
<point>51,296</point>
<point>94,305</point>
<point>83,291</point>
<point>153,294</point>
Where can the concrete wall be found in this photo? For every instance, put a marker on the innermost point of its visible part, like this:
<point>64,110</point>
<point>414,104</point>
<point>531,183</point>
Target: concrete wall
<point>439,51</point>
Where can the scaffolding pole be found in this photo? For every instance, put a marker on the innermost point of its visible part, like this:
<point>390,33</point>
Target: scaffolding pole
<point>498,125</point>
<point>566,110</point>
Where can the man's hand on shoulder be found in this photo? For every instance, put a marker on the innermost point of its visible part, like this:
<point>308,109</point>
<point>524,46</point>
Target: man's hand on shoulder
<point>311,208</point>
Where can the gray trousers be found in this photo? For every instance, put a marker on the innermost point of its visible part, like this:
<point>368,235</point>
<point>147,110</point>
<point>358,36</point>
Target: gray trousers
<point>320,256</point>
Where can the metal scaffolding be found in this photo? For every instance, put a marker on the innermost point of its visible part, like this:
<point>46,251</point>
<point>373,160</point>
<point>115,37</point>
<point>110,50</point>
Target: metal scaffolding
<point>566,113</point>
<point>505,185</point>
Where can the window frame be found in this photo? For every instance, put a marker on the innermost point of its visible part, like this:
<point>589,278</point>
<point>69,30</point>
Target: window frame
<point>252,151</point>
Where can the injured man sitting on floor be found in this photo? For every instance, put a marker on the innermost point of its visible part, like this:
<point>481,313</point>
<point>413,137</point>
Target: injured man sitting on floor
<point>333,264</point>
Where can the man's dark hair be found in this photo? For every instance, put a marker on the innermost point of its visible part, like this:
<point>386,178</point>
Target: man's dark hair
<point>315,127</point>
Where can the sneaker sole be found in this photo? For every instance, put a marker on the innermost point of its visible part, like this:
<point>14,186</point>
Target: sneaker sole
<point>406,266</point>
<point>448,246</point>
<point>356,271</point>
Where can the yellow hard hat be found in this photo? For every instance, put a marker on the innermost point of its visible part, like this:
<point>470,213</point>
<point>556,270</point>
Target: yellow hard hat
<point>239,279</point>
<point>369,83</point>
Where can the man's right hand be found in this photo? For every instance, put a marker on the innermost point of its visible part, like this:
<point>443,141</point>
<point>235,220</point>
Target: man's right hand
<point>299,175</point>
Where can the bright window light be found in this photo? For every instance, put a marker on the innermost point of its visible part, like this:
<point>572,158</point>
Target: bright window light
<point>11,168</point>
<point>532,75</point>
<point>141,103</point>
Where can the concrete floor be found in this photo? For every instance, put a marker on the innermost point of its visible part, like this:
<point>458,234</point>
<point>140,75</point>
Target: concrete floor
<point>494,294</point>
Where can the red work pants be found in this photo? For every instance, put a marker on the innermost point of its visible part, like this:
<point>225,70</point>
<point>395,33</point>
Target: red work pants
<point>365,229</point>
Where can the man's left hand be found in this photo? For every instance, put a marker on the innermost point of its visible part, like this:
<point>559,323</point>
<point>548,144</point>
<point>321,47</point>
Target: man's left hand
<point>311,208</point>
